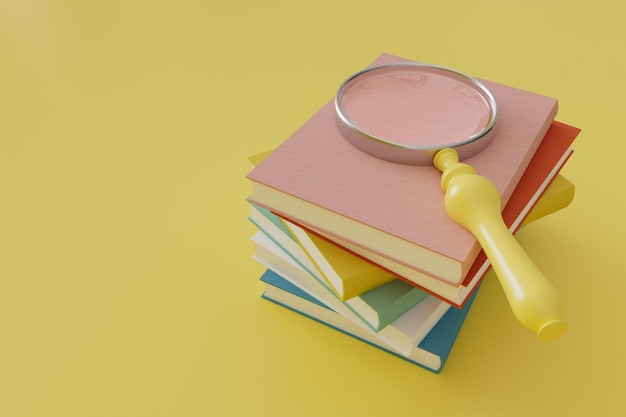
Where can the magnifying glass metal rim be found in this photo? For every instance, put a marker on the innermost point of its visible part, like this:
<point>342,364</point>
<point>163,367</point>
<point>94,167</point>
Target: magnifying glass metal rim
<point>406,153</point>
<point>473,201</point>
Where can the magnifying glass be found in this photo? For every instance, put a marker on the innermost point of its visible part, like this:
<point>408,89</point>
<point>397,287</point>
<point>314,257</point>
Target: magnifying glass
<point>423,114</point>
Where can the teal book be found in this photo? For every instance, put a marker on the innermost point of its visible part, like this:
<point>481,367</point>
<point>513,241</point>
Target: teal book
<point>431,353</point>
<point>378,307</point>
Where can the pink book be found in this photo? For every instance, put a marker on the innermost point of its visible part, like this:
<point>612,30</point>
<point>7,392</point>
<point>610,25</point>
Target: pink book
<point>320,181</point>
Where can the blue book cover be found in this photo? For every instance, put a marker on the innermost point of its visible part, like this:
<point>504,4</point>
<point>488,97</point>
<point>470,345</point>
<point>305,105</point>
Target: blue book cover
<point>431,354</point>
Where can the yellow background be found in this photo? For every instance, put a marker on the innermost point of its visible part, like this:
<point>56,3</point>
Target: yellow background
<point>127,286</point>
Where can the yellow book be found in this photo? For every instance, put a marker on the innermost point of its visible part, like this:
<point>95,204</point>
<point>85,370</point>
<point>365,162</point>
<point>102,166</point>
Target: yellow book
<point>558,195</point>
<point>347,274</point>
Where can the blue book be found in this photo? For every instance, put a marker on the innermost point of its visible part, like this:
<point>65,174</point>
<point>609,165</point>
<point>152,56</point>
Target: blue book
<point>431,354</point>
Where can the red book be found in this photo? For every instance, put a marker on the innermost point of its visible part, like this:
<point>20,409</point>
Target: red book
<point>394,211</point>
<point>543,168</point>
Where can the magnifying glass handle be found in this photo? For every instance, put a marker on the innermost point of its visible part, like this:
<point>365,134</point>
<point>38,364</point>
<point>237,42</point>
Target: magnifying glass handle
<point>474,202</point>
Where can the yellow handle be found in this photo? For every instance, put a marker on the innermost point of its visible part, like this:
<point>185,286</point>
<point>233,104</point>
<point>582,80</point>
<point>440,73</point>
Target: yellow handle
<point>474,202</point>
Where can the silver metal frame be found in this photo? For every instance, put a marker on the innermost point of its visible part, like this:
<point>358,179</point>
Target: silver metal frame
<point>411,154</point>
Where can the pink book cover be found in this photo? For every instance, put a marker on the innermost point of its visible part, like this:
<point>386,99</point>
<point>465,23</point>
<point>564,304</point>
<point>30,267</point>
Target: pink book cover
<point>316,164</point>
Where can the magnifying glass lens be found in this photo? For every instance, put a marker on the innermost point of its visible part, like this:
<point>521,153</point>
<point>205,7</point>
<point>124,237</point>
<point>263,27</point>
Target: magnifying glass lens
<point>416,107</point>
<point>405,112</point>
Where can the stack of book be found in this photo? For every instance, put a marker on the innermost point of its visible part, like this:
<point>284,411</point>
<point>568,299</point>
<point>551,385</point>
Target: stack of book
<point>366,247</point>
